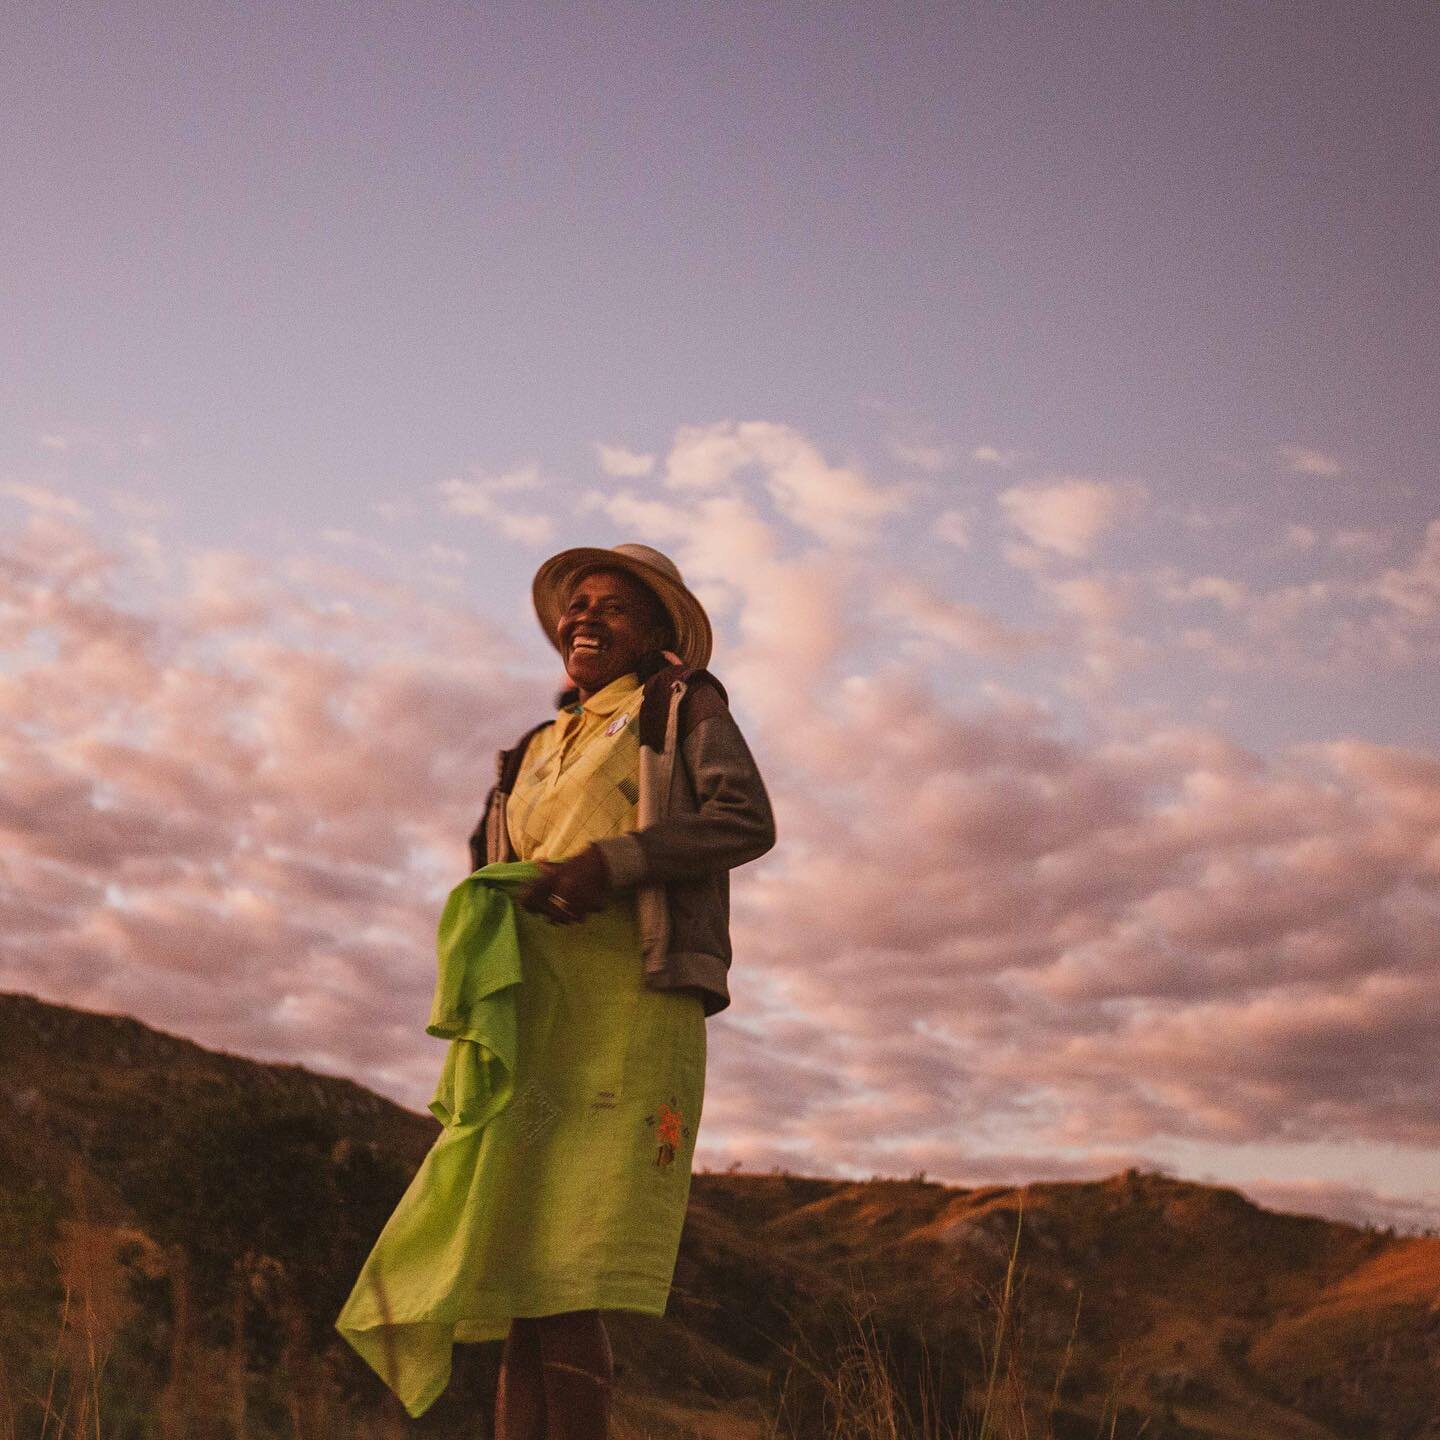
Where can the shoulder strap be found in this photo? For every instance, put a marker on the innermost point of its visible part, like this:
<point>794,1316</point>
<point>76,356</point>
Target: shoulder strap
<point>655,706</point>
<point>510,760</point>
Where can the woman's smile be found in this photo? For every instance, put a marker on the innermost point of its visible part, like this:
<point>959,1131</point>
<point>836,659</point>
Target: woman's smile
<point>608,627</point>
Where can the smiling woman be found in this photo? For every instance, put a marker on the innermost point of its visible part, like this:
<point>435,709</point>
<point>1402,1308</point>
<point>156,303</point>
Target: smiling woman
<point>610,626</point>
<point>541,1207</point>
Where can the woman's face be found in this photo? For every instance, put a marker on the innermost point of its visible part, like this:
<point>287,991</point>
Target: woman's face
<point>610,623</point>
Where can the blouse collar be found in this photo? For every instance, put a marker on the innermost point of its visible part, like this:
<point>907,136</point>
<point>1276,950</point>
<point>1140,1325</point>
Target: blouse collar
<point>607,701</point>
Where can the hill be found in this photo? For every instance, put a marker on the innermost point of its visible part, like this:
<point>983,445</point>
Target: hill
<point>207,1214</point>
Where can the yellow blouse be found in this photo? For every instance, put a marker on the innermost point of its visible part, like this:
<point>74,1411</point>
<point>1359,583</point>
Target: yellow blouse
<point>577,782</point>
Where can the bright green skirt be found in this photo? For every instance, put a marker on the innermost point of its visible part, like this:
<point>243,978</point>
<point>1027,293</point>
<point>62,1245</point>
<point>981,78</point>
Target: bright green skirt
<point>561,1178</point>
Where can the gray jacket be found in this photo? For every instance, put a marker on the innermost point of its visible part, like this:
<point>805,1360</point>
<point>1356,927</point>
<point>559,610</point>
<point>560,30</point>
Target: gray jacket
<point>702,810</point>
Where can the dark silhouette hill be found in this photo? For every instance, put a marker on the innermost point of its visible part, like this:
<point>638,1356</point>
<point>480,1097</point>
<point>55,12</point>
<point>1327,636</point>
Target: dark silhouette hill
<point>206,1215</point>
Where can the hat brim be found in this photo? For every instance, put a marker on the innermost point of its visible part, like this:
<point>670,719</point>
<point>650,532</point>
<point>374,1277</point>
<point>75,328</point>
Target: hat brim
<point>558,576</point>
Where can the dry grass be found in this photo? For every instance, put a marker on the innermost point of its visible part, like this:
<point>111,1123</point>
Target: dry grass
<point>856,1388</point>
<point>68,1407</point>
<point>862,1399</point>
<point>860,1395</point>
<point>67,1404</point>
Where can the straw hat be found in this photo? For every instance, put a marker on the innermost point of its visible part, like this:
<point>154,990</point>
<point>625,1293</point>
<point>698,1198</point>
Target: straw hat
<point>558,576</point>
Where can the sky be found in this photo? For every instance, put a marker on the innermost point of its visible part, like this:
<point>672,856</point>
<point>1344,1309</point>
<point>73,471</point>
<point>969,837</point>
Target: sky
<point>1041,399</point>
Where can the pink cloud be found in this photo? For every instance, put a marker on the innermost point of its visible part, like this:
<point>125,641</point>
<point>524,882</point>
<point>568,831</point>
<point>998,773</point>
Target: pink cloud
<point>232,806</point>
<point>956,625</point>
<point>837,503</point>
<point>1303,460</point>
<point>1065,516</point>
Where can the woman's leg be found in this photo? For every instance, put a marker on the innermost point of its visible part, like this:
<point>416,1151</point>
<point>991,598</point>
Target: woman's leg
<point>578,1367</point>
<point>520,1398</point>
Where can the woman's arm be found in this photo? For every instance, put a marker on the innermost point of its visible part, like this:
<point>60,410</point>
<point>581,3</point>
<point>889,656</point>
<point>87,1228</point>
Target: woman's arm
<point>731,824</point>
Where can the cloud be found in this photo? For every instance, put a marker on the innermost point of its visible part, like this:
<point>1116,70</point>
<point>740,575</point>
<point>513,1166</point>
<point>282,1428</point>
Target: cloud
<point>1101,944</point>
<point>623,464</point>
<point>260,778</point>
<point>953,527</point>
<point>483,496</point>
<point>143,508</point>
<point>1100,601</point>
<point>658,521</point>
<point>1359,542</point>
<point>993,455</point>
<point>992,936</point>
<point>229,589</point>
<point>836,503</point>
<point>956,625</point>
<point>46,501</point>
<point>1413,590</point>
<point>1333,623</point>
<point>1300,460</point>
<point>1064,517</point>
<point>1230,595</point>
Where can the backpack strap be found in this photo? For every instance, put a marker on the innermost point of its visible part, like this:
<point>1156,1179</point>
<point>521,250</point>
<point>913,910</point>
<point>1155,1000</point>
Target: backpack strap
<point>655,707</point>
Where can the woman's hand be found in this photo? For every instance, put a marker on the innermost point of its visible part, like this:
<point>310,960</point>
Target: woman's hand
<point>568,892</point>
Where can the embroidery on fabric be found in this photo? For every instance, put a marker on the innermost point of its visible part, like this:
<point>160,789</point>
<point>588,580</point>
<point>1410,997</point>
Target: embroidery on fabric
<point>604,1100</point>
<point>535,1112</point>
<point>670,1128</point>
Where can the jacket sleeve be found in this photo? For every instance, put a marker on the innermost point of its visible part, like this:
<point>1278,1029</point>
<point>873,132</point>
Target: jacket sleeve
<point>732,821</point>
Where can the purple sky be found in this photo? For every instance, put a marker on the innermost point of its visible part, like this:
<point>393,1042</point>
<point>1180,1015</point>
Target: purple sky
<point>1042,398</point>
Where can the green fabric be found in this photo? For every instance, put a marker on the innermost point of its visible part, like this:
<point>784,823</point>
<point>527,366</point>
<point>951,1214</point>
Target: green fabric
<point>570,1096</point>
<point>477,967</point>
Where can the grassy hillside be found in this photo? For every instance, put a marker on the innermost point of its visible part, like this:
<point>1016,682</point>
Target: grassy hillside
<point>206,1215</point>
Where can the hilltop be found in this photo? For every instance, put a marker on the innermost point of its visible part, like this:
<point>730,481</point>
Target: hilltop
<point>213,1211</point>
